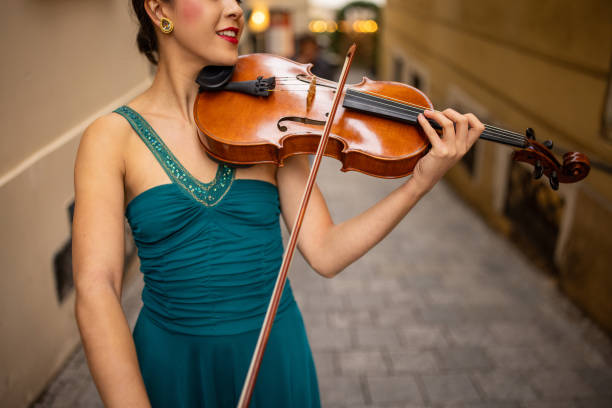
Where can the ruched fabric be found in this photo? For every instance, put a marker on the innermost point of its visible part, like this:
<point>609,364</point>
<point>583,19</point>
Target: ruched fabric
<point>209,270</point>
<point>210,254</point>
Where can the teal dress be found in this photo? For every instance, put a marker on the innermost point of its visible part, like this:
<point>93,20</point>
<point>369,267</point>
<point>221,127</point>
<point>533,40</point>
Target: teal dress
<point>210,254</point>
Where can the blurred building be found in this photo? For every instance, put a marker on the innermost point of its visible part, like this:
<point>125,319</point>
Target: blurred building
<point>274,24</point>
<point>544,65</point>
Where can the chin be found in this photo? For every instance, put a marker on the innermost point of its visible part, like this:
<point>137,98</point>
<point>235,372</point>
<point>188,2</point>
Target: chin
<point>225,58</point>
<point>231,60</point>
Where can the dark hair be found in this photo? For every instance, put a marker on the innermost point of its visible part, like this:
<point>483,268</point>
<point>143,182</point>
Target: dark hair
<point>305,39</point>
<point>146,39</point>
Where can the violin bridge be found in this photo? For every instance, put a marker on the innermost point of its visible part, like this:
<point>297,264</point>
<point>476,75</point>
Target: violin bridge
<point>312,90</point>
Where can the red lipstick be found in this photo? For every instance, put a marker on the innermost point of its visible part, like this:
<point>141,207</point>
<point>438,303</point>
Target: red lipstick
<point>226,34</point>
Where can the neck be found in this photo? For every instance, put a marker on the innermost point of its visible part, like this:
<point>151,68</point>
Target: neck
<point>174,90</point>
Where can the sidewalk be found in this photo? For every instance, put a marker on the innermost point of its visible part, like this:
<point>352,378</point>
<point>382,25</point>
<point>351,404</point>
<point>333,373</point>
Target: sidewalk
<point>442,313</point>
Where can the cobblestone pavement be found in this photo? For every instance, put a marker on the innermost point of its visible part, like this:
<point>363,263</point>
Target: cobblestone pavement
<point>443,313</point>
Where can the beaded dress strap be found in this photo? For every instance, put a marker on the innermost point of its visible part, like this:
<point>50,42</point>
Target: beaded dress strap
<point>208,194</point>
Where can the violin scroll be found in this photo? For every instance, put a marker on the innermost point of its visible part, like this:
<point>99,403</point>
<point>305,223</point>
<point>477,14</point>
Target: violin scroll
<point>575,167</point>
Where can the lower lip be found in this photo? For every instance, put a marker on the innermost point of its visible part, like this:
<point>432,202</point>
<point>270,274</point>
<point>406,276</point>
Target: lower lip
<point>233,40</point>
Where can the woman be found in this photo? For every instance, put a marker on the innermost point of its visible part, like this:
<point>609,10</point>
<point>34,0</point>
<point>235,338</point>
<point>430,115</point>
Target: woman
<point>208,235</point>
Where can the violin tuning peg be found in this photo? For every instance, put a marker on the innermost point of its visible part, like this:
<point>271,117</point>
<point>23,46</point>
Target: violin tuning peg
<point>554,181</point>
<point>548,144</point>
<point>530,133</point>
<point>538,170</point>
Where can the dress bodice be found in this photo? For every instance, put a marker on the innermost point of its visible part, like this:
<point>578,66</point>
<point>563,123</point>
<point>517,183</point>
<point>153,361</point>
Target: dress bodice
<point>209,252</point>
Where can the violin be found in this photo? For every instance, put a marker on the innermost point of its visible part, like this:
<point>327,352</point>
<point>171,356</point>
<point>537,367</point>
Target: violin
<point>267,108</point>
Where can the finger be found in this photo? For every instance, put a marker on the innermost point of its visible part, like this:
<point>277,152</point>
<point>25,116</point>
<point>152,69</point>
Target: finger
<point>430,132</point>
<point>461,128</point>
<point>448,127</point>
<point>476,128</point>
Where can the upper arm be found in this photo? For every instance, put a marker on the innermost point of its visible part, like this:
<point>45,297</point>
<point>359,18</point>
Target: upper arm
<point>292,179</point>
<point>98,225</point>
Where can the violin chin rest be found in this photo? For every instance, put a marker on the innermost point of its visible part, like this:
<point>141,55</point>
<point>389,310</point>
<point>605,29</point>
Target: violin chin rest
<point>214,77</point>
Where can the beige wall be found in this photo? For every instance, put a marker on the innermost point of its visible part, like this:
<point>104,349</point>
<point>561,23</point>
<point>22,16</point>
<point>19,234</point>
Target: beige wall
<point>520,64</point>
<point>64,63</point>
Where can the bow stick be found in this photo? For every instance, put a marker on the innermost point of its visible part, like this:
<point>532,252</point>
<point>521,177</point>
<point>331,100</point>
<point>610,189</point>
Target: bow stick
<point>264,334</point>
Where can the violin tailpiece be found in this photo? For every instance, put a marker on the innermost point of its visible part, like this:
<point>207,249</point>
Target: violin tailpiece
<point>259,87</point>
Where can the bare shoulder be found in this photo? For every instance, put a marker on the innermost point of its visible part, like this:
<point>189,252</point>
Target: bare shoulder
<point>100,161</point>
<point>109,132</point>
<point>103,142</point>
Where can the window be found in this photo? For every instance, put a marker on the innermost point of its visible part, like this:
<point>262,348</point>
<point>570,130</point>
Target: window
<point>607,115</point>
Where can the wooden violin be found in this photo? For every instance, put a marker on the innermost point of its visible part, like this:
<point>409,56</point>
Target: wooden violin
<point>267,108</point>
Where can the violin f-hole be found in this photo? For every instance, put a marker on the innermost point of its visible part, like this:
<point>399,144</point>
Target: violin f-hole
<point>306,121</point>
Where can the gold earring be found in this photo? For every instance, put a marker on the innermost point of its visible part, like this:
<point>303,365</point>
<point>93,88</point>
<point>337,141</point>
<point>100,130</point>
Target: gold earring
<point>166,25</point>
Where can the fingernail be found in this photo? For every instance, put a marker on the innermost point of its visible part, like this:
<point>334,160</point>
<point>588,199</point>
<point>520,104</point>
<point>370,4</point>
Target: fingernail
<point>420,115</point>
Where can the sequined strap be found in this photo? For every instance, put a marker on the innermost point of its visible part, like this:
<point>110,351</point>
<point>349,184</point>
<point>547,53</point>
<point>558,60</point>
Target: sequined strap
<point>208,194</point>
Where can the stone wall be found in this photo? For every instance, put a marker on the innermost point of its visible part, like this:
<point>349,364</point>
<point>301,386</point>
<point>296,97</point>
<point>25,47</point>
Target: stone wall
<point>544,65</point>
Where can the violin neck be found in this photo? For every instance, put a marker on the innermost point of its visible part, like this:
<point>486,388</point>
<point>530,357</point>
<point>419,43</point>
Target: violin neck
<point>383,107</point>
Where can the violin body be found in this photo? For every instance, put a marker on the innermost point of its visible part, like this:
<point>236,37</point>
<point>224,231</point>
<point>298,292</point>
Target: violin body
<point>375,130</point>
<point>243,129</point>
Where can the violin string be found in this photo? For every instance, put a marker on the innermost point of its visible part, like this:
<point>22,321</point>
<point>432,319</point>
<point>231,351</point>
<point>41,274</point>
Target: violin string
<point>493,133</point>
<point>500,133</point>
<point>411,110</point>
<point>404,104</point>
<point>509,133</point>
<point>401,104</point>
<point>396,105</point>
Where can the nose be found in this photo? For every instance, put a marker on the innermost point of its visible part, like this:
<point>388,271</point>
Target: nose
<point>233,10</point>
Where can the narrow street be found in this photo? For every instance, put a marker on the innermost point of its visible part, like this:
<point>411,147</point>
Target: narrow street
<point>445,313</point>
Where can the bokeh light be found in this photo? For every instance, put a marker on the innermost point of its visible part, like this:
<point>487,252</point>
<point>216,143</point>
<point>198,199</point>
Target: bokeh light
<point>260,19</point>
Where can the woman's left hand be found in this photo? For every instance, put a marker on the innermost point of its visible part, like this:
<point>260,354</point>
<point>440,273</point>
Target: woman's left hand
<point>459,133</point>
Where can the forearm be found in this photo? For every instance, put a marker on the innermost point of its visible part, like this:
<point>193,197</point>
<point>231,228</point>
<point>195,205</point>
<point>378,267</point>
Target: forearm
<point>110,349</point>
<point>344,243</point>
